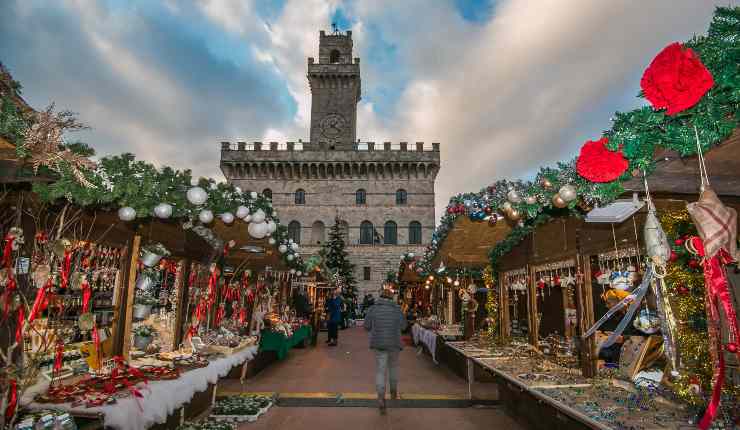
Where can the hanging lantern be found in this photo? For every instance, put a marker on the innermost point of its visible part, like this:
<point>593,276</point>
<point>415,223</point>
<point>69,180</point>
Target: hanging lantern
<point>127,213</point>
<point>197,196</point>
<point>163,210</point>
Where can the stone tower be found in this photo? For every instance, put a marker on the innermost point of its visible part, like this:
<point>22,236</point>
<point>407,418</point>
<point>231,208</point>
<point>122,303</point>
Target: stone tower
<point>335,91</point>
<point>383,194</point>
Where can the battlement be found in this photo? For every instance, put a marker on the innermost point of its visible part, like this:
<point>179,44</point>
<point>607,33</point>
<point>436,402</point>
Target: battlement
<point>321,146</point>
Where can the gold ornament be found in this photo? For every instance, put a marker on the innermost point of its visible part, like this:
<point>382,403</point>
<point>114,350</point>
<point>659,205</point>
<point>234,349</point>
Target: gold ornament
<point>514,214</point>
<point>558,201</point>
<point>546,184</point>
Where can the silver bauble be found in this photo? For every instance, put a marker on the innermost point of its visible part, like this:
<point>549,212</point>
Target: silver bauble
<point>227,217</point>
<point>242,212</point>
<point>257,230</point>
<point>271,241</point>
<point>205,216</point>
<point>530,200</point>
<point>513,196</point>
<point>294,246</point>
<point>558,201</point>
<point>197,196</point>
<point>163,210</point>
<point>248,218</point>
<point>259,216</point>
<point>290,257</point>
<point>127,213</point>
<point>283,249</point>
<point>253,194</point>
<point>271,227</point>
<point>568,193</point>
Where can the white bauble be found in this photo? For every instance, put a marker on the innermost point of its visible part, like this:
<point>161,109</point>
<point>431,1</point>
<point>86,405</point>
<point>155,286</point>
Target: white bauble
<point>513,196</point>
<point>248,218</point>
<point>531,200</point>
<point>271,241</point>
<point>205,216</point>
<point>227,217</point>
<point>238,190</point>
<point>213,186</point>
<point>197,196</point>
<point>292,271</point>
<point>411,255</point>
<point>253,194</point>
<point>271,227</point>
<point>258,216</point>
<point>257,230</point>
<point>242,212</point>
<point>163,210</point>
<point>568,193</point>
<point>299,273</point>
<point>127,213</point>
<point>283,249</point>
<point>294,246</point>
<point>290,257</point>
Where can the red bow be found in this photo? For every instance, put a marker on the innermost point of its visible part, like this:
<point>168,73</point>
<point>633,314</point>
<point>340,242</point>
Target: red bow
<point>19,325</point>
<point>66,267</point>
<point>40,303</point>
<point>86,294</point>
<point>58,357</point>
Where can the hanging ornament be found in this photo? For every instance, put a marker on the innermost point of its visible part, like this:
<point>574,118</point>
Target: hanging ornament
<point>513,196</point>
<point>282,249</point>
<point>127,213</point>
<point>292,271</point>
<point>248,218</point>
<point>271,241</point>
<point>567,193</point>
<point>530,200</point>
<point>492,220</point>
<point>242,212</point>
<point>258,217</point>
<point>253,194</point>
<point>271,227</point>
<point>227,217</point>
<point>163,210</point>
<point>505,206</point>
<point>294,246</point>
<point>290,257</point>
<point>257,230</point>
<point>546,184</point>
<point>205,216</point>
<point>598,164</point>
<point>558,201</point>
<point>197,196</point>
<point>514,214</point>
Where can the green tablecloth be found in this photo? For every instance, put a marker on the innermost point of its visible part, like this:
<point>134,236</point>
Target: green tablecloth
<point>273,341</point>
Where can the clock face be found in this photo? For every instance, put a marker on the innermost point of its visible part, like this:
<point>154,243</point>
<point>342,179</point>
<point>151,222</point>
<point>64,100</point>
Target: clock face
<point>332,126</point>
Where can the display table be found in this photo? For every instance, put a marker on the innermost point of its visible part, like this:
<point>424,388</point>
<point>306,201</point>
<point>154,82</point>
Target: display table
<point>426,337</point>
<point>274,341</point>
<point>160,398</point>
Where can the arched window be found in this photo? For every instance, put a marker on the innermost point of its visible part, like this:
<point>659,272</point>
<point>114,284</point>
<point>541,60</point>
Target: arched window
<point>267,193</point>
<point>317,233</point>
<point>334,56</point>
<point>401,197</point>
<point>366,233</point>
<point>414,233</point>
<point>300,197</point>
<point>294,231</point>
<point>390,233</point>
<point>360,197</point>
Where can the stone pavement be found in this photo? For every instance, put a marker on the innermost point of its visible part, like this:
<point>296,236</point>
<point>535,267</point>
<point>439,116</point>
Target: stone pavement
<point>349,368</point>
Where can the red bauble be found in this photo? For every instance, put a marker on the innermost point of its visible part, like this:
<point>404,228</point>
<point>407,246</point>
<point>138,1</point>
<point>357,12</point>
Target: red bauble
<point>598,164</point>
<point>676,79</point>
<point>678,242</point>
<point>732,347</point>
<point>693,263</point>
<point>488,210</point>
<point>682,290</point>
<point>450,210</point>
<point>673,257</point>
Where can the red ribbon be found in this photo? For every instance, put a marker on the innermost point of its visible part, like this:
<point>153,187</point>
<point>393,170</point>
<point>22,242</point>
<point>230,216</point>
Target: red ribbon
<point>242,315</point>
<point>59,356</point>
<point>40,303</point>
<point>19,326</point>
<point>12,400</point>
<point>86,294</point>
<point>66,267</point>
<point>716,293</point>
<point>8,251</point>
<point>219,316</point>
<point>8,294</point>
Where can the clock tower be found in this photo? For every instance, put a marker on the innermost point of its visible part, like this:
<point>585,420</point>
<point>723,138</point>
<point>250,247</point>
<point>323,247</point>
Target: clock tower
<point>335,91</point>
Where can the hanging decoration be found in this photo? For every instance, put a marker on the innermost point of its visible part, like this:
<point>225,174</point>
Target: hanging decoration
<point>598,164</point>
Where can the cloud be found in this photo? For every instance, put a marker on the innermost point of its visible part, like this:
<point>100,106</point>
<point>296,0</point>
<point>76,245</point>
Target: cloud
<point>505,86</point>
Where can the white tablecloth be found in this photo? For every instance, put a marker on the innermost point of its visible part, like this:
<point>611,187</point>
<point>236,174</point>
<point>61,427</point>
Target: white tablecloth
<point>161,398</point>
<point>425,337</point>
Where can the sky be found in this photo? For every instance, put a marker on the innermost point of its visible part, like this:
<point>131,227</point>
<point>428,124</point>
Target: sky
<point>505,86</point>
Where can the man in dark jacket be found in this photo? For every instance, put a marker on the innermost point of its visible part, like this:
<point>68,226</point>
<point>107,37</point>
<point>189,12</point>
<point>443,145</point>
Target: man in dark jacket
<point>334,316</point>
<point>385,321</point>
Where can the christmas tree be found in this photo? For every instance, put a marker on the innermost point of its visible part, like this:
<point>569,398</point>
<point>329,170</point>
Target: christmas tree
<point>335,258</point>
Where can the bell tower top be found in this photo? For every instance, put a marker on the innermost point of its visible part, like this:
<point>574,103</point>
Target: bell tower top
<point>335,91</point>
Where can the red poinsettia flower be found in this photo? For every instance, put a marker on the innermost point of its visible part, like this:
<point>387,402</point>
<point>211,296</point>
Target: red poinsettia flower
<point>676,79</point>
<point>598,164</point>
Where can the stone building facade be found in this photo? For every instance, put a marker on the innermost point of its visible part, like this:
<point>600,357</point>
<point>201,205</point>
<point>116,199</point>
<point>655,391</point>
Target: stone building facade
<point>383,193</point>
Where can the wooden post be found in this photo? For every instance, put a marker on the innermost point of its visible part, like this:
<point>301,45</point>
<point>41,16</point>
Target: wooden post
<point>589,356</point>
<point>534,326</point>
<point>182,303</point>
<point>503,311</point>
<point>119,301</point>
<point>129,295</point>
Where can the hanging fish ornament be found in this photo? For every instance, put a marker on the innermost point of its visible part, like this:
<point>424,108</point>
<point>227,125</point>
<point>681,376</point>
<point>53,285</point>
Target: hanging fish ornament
<point>656,242</point>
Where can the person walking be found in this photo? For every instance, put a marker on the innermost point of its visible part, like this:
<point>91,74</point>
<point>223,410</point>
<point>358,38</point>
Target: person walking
<point>334,316</point>
<point>385,321</point>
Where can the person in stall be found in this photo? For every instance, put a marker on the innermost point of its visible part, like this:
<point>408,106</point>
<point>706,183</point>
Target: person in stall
<point>610,298</point>
<point>301,305</point>
<point>334,316</point>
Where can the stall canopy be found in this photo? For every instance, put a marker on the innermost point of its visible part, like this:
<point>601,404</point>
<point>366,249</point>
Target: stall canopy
<point>468,243</point>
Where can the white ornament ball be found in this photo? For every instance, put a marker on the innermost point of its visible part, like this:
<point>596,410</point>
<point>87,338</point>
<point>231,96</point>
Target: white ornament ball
<point>238,190</point>
<point>568,193</point>
<point>290,257</point>
<point>197,196</point>
<point>299,273</point>
<point>248,218</point>
<point>205,216</point>
<point>163,210</point>
<point>531,200</point>
<point>292,271</point>
<point>242,212</point>
<point>283,249</point>
<point>513,196</point>
<point>227,217</point>
<point>127,213</point>
<point>253,194</point>
<point>213,186</point>
<point>257,230</point>
<point>259,216</point>
<point>411,255</point>
<point>294,246</point>
<point>271,227</point>
<point>271,241</point>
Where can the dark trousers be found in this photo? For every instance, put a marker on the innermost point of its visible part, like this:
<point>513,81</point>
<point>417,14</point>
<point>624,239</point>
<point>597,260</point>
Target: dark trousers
<point>333,329</point>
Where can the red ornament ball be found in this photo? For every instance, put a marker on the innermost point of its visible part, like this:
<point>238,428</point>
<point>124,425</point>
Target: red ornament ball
<point>682,290</point>
<point>676,79</point>
<point>731,347</point>
<point>673,256</point>
<point>450,210</point>
<point>598,164</point>
<point>678,242</point>
<point>693,263</point>
<point>488,210</point>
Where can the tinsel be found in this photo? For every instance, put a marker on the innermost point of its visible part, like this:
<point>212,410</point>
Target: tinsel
<point>492,315</point>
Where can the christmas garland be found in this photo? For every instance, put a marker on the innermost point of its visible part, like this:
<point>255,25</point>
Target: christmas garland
<point>679,114</point>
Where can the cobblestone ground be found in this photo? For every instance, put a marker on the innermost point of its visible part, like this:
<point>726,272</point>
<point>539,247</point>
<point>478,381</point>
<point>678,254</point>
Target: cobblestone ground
<point>349,368</point>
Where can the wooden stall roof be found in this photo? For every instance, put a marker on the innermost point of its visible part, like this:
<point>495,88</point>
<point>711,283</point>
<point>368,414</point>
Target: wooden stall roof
<point>247,259</point>
<point>468,242</point>
<point>407,272</point>
<point>676,175</point>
